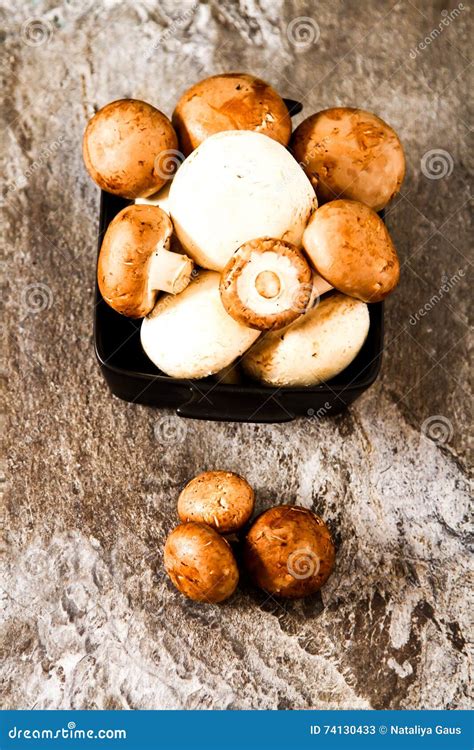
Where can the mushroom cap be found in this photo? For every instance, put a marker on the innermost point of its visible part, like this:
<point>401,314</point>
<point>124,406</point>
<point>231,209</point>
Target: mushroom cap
<point>236,186</point>
<point>349,245</point>
<point>313,349</point>
<point>350,153</point>
<point>200,563</point>
<point>289,552</point>
<point>125,256</point>
<point>220,499</point>
<point>266,284</point>
<point>233,101</point>
<point>130,148</point>
<point>190,335</point>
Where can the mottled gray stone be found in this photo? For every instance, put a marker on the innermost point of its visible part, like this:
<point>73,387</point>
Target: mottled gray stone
<point>89,619</point>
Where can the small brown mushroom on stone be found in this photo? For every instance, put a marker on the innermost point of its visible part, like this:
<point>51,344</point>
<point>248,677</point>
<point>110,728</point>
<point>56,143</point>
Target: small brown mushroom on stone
<point>233,101</point>
<point>200,563</point>
<point>289,551</point>
<point>221,499</point>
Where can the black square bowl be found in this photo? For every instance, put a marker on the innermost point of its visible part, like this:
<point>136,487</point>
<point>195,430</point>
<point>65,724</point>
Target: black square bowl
<point>133,377</point>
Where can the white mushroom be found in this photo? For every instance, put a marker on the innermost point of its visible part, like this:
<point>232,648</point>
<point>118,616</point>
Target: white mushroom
<point>160,199</point>
<point>191,335</point>
<point>316,348</point>
<point>236,186</point>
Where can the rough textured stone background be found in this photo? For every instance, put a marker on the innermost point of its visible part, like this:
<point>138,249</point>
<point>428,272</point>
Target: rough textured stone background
<point>88,618</point>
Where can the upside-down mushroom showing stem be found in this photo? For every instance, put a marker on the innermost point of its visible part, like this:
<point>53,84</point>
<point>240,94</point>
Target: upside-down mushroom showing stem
<point>266,284</point>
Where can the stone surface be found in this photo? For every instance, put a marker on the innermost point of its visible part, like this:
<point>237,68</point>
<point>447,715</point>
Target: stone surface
<point>88,617</point>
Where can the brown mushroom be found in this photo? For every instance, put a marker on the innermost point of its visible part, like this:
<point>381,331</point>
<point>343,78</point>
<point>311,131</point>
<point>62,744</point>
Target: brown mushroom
<point>266,284</point>
<point>233,101</point>
<point>350,153</point>
<point>221,499</point>
<point>200,563</point>
<point>130,148</point>
<point>135,262</point>
<point>350,247</point>
<point>289,551</point>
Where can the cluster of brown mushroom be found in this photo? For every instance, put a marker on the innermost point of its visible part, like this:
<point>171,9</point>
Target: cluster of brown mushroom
<point>227,254</point>
<point>287,551</point>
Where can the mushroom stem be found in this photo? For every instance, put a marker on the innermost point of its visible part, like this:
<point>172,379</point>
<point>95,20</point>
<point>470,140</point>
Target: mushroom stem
<point>169,272</point>
<point>320,286</point>
<point>266,284</point>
